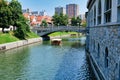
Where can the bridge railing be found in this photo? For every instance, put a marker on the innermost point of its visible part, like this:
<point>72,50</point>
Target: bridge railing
<point>58,28</point>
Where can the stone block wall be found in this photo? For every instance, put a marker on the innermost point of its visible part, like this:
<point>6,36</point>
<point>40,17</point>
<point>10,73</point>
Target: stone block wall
<point>11,45</point>
<point>104,46</point>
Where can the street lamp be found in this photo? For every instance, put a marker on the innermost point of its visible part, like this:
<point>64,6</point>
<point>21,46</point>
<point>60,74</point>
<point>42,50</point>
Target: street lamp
<point>79,28</point>
<point>58,25</point>
<point>78,24</point>
<point>43,25</point>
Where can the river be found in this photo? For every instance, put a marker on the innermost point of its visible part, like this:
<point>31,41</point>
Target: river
<point>42,61</point>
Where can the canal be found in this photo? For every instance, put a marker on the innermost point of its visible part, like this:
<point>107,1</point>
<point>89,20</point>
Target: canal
<point>42,61</point>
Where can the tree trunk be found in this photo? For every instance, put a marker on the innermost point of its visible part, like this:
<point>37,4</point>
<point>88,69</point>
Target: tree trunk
<point>3,30</point>
<point>13,28</point>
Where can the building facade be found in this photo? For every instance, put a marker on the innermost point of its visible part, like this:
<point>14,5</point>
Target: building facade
<point>72,10</point>
<point>59,10</point>
<point>26,10</point>
<point>35,13</point>
<point>43,13</point>
<point>103,38</point>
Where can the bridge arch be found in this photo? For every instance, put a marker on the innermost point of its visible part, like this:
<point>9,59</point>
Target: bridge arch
<point>47,37</point>
<point>44,31</point>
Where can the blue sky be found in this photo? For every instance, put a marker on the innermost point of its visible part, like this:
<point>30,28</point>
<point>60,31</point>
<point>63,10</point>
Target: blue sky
<point>49,5</point>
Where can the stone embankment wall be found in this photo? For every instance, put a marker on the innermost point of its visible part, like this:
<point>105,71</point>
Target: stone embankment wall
<point>103,45</point>
<point>16,44</point>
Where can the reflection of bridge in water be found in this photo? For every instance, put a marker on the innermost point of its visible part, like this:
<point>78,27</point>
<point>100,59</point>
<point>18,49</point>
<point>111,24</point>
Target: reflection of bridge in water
<point>42,31</point>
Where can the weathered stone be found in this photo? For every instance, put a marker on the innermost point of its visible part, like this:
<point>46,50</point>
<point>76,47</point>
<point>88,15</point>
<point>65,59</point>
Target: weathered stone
<point>106,37</point>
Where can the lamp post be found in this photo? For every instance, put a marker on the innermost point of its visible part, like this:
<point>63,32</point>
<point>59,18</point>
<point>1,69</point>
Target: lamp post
<point>78,28</point>
<point>58,28</point>
<point>43,25</point>
<point>58,25</point>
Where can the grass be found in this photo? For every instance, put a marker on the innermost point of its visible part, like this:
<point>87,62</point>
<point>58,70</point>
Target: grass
<point>31,35</point>
<point>61,33</point>
<point>7,37</point>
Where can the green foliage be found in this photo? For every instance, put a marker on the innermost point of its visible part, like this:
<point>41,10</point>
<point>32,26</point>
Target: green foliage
<point>5,15</point>
<point>84,24</point>
<point>60,20</point>
<point>31,35</point>
<point>18,20</point>
<point>24,22</point>
<point>20,32</point>
<point>44,23</point>
<point>11,14</point>
<point>16,10</point>
<point>75,21</point>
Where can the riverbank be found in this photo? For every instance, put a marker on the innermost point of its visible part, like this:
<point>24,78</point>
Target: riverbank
<point>16,44</point>
<point>60,35</point>
<point>32,38</point>
<point>10,37</point>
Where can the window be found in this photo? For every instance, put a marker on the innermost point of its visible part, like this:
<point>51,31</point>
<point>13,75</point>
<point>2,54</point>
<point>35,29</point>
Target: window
<point>106,57</point>
<point>99,12</point>
<point>108,4</point>
<point>95,15</point>
<point>118,13</point>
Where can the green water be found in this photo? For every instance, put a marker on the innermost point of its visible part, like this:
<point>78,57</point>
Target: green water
<point>42,61</point>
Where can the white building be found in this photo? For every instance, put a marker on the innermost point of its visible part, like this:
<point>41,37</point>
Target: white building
<point>103,12</point>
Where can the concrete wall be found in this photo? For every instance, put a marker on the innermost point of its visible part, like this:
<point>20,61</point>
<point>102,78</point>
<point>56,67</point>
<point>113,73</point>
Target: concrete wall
<point>11,45</point>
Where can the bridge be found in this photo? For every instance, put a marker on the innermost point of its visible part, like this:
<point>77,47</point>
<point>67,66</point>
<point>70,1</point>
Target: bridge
<point>42,31</point>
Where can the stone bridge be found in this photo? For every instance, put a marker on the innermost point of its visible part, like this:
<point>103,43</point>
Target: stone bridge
<point>42,31</point>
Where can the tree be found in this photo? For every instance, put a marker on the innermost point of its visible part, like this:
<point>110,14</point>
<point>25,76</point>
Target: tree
<point>84,24</point>
<point>55,19</point>
<point>78,20</point>
<point>20,32</point>
<point>75,21</point>
<point>44,23</point>
<point>19,20</point>
<point>61,19</point>
<point>11,14</point>
<point>16,10</point>
<point>25,23</point>
<point>5,15</point>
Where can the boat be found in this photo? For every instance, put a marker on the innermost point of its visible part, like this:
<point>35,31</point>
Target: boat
<point>56,41</point>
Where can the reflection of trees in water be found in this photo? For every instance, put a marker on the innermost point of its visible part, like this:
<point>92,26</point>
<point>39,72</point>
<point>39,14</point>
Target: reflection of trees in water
<point>13,62</point>
<point>77,45</point>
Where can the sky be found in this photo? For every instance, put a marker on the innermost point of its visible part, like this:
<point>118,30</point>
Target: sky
<point>49,5</point>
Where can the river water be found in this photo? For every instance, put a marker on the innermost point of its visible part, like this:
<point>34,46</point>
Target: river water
<point>42,61</point>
